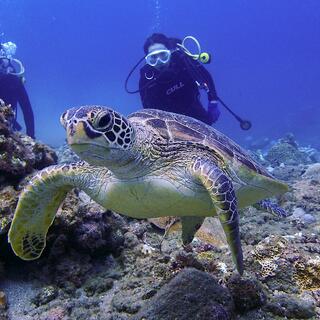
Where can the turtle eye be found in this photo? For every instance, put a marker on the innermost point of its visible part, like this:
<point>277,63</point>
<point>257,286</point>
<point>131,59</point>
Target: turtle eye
<point>103,121</point>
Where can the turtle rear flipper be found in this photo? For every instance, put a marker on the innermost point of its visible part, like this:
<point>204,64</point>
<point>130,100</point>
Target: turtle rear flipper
<point>273,208</point>
<point>190,225</point>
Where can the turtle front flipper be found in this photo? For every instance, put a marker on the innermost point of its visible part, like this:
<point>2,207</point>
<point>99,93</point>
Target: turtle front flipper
<point>221,191</point>
<point>39,202</point>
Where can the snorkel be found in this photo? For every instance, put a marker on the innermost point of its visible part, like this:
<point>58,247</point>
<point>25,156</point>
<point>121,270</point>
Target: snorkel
<point>12,66</point>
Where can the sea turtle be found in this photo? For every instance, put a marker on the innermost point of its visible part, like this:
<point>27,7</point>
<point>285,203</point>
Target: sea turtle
<point>151,164</point>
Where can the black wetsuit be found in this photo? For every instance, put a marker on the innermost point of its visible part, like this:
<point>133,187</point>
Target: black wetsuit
<point>12,91</point>
<point>174,88</point>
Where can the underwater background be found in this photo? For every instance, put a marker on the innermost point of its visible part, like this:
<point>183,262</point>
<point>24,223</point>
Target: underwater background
<point>266,64</point>
<point>102,265</point>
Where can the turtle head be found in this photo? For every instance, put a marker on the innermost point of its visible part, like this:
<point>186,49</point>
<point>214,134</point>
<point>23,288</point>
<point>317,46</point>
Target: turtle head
<point>98,135</point>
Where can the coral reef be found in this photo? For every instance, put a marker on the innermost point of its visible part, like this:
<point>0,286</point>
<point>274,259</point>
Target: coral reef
<point>306,190</point>
<point>286,151</point>
<point>100,265</point>
<point>19,154</point>
<point>8,201</point>
<point>307,273</point>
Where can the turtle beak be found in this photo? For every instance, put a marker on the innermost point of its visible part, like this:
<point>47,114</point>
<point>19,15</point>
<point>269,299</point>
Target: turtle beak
<point>86,143</point>
<point>76,133</point>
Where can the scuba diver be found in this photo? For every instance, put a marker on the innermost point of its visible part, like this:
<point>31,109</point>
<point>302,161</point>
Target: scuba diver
<point>12,90</point>
<point>168,80</point>
<point>172,76</point>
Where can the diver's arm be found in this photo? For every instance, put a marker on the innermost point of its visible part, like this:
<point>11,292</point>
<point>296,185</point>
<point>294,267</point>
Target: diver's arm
<point>207,78</point>
<point>213,109</point>
<point>200,74</point>
<point>26,108</point>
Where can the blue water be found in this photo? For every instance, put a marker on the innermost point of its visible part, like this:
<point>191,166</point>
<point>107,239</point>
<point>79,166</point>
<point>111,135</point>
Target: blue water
<point>266,57</point>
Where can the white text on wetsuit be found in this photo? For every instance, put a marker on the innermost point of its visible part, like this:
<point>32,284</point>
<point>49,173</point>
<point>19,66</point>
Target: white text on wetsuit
<point>175,88</point>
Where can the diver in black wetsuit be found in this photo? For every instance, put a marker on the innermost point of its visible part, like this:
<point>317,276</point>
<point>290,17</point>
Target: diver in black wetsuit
<point>169,81</point>
<point>12,91</point>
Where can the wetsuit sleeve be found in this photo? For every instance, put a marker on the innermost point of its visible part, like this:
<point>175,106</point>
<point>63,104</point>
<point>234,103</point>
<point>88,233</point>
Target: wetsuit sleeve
<point>199,73</point>
<point>212,95</point>
<point>26,108</point>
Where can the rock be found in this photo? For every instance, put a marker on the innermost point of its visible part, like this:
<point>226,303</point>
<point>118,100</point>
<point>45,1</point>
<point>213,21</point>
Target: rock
<point>286,152</point>
<point>45,295</point>
<point>247,293</point>
<point>313,154</point>
<point>130,240</point>
<point>308,219</point>
<point>211,232</point>
<point>185,259</point>
<point>289,173</point>
<point>56,313</point>
<point>86,227</point>
<point>300,215</point>
<point>312,172</point>
<point>3,300</point>
<point>97,233</point>
<point>306,194</point>
<point>97,285</point>
<point>70,271</point>
<point>8,202</point>
<point>290,307</point>
<point>192,294</point>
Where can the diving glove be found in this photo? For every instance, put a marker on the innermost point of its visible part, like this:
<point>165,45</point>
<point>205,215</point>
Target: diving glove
<point>213,110</point>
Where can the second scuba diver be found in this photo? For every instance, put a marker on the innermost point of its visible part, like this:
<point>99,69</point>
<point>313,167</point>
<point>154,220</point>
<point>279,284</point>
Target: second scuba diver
<point>12,90</point>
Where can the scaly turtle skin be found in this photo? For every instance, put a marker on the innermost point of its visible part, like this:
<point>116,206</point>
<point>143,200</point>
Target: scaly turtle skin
<point>151,164</point>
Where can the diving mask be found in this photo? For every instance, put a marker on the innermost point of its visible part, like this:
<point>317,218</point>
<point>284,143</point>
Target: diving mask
<point>158,56</point>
